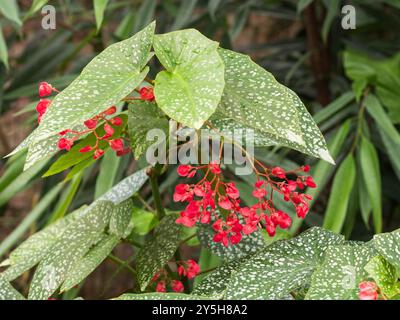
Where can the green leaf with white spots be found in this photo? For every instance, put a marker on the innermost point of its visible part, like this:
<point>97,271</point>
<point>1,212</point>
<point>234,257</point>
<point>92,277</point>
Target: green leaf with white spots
<point>282,267</point>
<point>107,79</point>
<point>158,251</point>
<point>384,275</point>
<point>388,245</point>
<point>160,296</point>
<point>215,283</point>
<point>340,274</point>
<point>71,246</point>
<point>126,188</point>
<point>120,223</point>
<point>8,292</point>
<point>253,99</point>
<point>190,88</point>
<point>90,262</point>
<point>32,250</point>
<point>249,244</point>
<point>143,117</point>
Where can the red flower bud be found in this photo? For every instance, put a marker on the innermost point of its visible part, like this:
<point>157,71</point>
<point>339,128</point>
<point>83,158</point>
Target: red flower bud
<point>42,106</point>
<point>147,93</point>
<point>117,121</point>
<point>110,110</point>
<point>279,172</point>
<point>85,149</point>
<point>65,144</point>
<point>98,153</point>
<point>108,129</point>
<point>177,286</point>
<point>91,123</point>
<point>45,89</point>
<point>117,144</point>
<point>310,182</point>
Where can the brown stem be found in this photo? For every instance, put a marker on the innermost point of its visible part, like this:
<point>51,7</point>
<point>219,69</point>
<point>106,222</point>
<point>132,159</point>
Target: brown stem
<point>319,54</point>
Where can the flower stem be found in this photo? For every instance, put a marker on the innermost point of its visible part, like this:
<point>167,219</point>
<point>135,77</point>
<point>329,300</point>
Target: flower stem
<point>153,174</point>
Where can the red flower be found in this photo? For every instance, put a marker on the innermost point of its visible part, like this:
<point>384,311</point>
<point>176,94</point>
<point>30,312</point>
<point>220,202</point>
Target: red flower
<point>161,286</point>
<point>231,190</point>
<point>98,153</point>
<point>282,219</point>
<point>188,268</point>
<point>116,144</point>
<point>259,193</point>
<point>302,210</point>
<point>224,203</point>
<point>279,172</point>
<point>108,129</point>
<point>215,168</point>
<point>147,93</point>
<point>177,286</point>
<point>91,123</point>
<point>271,230</point>
<point>183,193</point>
<point>117,121</point>
<point>310,182</point>
<point>110,111</point>
<point>122,152</point>
<point>45,89</point>
<point>306,168</point>
<point>368,291</point>
<point>65,144</point>
<point>85,149</point>
<point>42,106</point>
<point>184,169</point>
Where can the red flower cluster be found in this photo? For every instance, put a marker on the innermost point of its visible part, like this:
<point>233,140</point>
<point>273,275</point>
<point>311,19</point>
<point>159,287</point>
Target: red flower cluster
<point>368,290</point>
<point>45,89</point>
<point>188,268</point>
<point>232,221</point>
<point>116,144</point>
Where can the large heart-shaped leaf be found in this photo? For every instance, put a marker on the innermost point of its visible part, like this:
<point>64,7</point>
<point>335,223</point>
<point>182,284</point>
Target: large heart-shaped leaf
<point>190,88</point>
<point>120,223</point>
<point>284,266</point>
<point>343,269</point>
<point>158,250</point>
<point>253,99</point>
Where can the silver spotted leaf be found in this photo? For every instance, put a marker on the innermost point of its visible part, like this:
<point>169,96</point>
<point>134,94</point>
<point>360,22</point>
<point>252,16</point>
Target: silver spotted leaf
<point>32,250</point>
<point>160,296</point>
<point>190,88</point>
<point>69,248</point>
<point>341,272</point>
<point>384,275</point>
<point>143,117</point>
<point>90,261</point>
<point>158,251</point>
<point>125,188</point>
<point>253,99</point>
<point>8,292</point>
<point>215,283</point>
<point>108,78</point>
<point>282,267</point>
<point>121,219</point>
<point>388,245</point>
<point>248,245</point>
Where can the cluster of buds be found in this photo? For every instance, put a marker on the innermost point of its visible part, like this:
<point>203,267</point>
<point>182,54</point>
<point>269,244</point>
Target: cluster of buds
<point>65,143</point>
<point>188,268</point>
<point>45,89</point>
<point>231,221</point>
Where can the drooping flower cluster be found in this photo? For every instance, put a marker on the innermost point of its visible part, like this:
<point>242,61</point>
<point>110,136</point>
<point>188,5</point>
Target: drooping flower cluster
<point>45,89</point>
<point>109,128</point>
<point>212,199</point>
<point>188,268</point>
<point>69,136</point>
<point>368,291</point>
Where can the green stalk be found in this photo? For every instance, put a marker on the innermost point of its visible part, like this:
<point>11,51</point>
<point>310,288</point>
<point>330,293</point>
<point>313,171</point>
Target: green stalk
<point>153,175</point>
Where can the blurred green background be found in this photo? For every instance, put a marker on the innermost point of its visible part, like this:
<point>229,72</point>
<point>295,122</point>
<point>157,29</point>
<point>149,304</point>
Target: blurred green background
<point>348,79</point>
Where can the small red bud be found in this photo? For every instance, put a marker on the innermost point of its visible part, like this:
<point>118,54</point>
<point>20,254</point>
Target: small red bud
<point>117,144</point>
<point>91,123</point>
<point>110,110</point>
<point>45,89</point>
<point>117,121</point>
<point>98,153</point>
<point>85,149</point>
<point>108,129</point>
